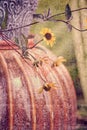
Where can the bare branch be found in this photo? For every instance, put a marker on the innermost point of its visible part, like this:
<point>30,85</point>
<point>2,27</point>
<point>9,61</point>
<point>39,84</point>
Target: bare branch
<point>66,22</point>
<point>13,29</point>
<point>49,19</point>
<point>63,13</point>
<point>36,44</point>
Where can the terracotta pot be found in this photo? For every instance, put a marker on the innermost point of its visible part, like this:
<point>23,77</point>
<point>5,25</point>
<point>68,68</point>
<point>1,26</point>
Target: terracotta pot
<point>21,106</point>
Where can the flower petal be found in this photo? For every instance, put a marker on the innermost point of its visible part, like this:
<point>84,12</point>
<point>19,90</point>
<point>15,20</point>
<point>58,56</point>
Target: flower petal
<point>49,40</point>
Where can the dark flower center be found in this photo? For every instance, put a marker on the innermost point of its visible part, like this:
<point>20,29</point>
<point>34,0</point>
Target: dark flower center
<point>48,36</point>
<point>46,88</point>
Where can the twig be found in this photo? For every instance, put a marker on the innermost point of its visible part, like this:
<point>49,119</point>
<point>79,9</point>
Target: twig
<point>4,37</point>
<point>47,19</point>
<point>13,29</point>
<point>36,44</point>
<point>66,22</point>
<point>64,12</point>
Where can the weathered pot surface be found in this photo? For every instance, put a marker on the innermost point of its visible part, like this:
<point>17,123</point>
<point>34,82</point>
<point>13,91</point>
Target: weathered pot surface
<point>21,106</point>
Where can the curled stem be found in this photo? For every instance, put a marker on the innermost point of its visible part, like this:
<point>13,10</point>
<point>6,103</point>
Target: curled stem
<point>66,22</point>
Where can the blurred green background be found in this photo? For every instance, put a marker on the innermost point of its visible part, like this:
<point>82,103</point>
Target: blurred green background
<point>64,43</point>
<point>63,47</point>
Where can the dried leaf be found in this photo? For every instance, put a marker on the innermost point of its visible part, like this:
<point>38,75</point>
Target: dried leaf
<point>68,12</point>
<point>48,13</point>
<point>69,27</point>
<point>59,61</point>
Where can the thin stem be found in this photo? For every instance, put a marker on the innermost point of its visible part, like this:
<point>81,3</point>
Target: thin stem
<point>32,56</point>
<point>4,37</point>
<point>48,18</point>
<point>63,21</point>
<point>36,44</point>
<point>64,12</point>
<point>8,41</point>
<point>13,43</point>
<point>13,29</point>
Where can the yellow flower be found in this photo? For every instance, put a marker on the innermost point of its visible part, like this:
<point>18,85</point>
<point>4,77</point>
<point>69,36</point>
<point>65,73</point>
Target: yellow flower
<point>48,36</point>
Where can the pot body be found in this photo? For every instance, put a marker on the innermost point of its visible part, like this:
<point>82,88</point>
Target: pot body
<point>21,106</point>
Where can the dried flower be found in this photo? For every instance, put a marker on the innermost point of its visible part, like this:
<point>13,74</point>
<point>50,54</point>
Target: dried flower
<point>40,61</point>
<point>47,87</point>
<point>59,61</point>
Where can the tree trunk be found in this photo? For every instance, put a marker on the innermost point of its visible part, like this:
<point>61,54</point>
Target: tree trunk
<point>80,43</point>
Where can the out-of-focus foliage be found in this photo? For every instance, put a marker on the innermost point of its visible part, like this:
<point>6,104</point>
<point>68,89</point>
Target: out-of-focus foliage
<point>64,44</point>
